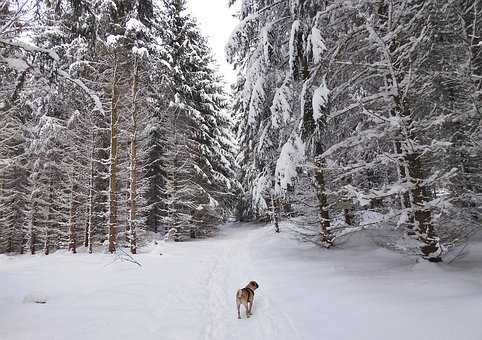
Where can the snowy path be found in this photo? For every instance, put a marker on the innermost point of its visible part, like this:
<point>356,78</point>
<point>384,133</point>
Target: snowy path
<point>235,265</point>
<point>357,292</point>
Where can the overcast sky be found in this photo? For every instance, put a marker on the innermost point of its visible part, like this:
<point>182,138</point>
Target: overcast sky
<point>217,23</point>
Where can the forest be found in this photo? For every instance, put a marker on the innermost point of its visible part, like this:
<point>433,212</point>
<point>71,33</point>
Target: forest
<point>346,117</point>
<point>328,187</point>
<point>114,124</point>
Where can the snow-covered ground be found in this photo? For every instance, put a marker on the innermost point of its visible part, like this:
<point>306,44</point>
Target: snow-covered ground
<point>355,292</point>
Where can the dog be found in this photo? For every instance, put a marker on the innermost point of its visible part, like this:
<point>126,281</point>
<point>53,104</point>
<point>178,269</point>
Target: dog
<point>245,297</point>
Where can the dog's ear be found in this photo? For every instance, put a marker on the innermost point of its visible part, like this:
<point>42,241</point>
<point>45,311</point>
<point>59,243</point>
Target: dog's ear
<point>254,283</point>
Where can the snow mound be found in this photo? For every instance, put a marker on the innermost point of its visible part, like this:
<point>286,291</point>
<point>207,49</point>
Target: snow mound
<point>35,297</point>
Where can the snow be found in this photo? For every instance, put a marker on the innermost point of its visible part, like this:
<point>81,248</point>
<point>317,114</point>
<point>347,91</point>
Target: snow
<point>293,46</point>
<point>94,97</point>
<point>141,52</point>
<point>294,7</point>
<point>134,25</point>
<point>320,100</point>
<point>15,63</point>
<point>260,186</point>
<point>281,109</point>
<point>238,36</point>
<point>113,40</point>
<point>256,103</point>
<point>35,297</point>
<point>27,46</point>
<point>291,157</point>
<point>318,45</point>
<point>186,291</point>
<point>267,46</point>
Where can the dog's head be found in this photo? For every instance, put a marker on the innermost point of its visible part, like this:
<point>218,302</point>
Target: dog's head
<point>253,285</point>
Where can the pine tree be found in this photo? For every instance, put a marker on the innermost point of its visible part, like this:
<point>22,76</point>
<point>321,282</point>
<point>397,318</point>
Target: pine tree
<point>255,49</point>
<point>200,184</point>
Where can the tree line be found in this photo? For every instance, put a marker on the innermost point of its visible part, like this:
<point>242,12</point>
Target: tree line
<point>113,124</point>
<point>359,115</point>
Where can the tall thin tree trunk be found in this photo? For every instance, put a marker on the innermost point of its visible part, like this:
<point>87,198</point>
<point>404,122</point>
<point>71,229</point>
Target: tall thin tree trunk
<point>4,227</point>
<point>31,231</point>
<point>48,224</point>
<point>112,234</point>
<point>405,196</point>
<point>22,244</point>
<point>89,231</point>
<point>133,176</point>
<point>86,234</point>
<point>326,238</point>
<point>275,212</point>
<point>72,217</point>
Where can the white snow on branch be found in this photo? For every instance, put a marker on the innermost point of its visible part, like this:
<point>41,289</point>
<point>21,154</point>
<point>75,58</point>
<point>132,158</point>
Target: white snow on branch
<point>260,187</point>
<point>281,110</point>
<point>15,63</point>
<point>317,44</point>
<point>293,46</point>
<point>291,157</point>
<point>320,100</point>
<point>267,47</point>
<point>113,40</point>
<point>97,103</point>
<point>141,52</point>
<point>239,37</point>
<point>30,47</point>
<point>257,100</point>
<point>134,25</point>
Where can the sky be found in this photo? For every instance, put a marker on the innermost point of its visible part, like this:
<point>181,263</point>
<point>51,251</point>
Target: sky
<point>217,23</point>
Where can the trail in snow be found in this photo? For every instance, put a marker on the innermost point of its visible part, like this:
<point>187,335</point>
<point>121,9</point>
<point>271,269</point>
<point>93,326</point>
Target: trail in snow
<point>357,291</point>
<point>235,266</point>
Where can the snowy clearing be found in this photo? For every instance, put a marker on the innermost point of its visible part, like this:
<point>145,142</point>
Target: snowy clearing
<point>356,291</point>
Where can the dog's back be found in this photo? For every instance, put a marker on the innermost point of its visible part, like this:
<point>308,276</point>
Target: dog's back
<point>244,295</point>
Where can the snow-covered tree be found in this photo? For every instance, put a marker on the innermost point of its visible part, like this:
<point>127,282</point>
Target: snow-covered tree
<point>366,96</point>
<point>201,182</point>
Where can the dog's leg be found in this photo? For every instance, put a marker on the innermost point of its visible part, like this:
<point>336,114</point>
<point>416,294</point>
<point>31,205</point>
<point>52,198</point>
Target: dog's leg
<point>238,305</point>
<point>250,304</point>
<point>246,306</point>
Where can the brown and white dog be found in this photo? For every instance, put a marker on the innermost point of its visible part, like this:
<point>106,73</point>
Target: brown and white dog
<point>245,297</point>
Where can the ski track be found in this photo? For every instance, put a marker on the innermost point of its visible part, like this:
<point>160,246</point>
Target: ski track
<point>268,320</point>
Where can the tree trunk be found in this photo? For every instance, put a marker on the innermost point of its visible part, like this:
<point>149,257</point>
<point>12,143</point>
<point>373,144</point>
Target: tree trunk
<point>112,234</point>
<point>32,243</point>
<point>423,227</point>
<point>22,245</point>
<point>411,172</point>
<point>132,233</point>
<point>405,196</point>
<point>72,217</point>
<point>50,218</point>
<point>275,212</point>
<point>326,239</point>
<point>46,241</point>
<point>89,231</point>
<point>31,231</point>
<point>409,161</point>
<point>348,214</point>
<point>86,234</point>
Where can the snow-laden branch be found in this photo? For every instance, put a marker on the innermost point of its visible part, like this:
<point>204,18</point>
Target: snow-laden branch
<point>21,65</point>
